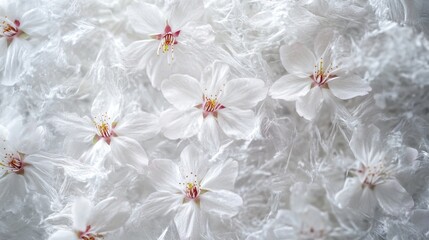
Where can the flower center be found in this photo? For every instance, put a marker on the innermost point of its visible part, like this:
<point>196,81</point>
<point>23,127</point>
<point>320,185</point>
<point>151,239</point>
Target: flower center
<point>13,162</point>
<point>87,235</point>
<point>373,175</point>
<point>192,188</point>
<point>104,129</point>
<point>167,40</point>
<point>312,232</point>
<point>210,105</point>
<point>321,75</point>
<point>192,191</point>
<point>8,28</point>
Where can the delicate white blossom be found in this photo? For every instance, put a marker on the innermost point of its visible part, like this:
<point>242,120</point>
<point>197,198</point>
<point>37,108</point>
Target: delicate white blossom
<point>171,39</point>
<point>192,190</point>
<point>374,182</point>
<point>313,76</point>
<point>110,131</point>
<point>211,106</point>
<point>305,224</point>
<point>18,25</point>
<point>24,168</point>
<point>94,222</point>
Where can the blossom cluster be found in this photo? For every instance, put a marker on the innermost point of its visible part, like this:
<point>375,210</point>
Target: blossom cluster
<point>203,119</point>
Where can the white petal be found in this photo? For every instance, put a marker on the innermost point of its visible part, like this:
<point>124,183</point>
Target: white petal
<point>161,67</point>
<point>35,23</point>
<point>13,187</point>
<point>214,77</point>
<point>347,87</point>
<point>38,178</point>
<point>409,156</point>
<point>322,43</point>
<point>3,52</point>
<point>95,155</point>
<point>368,202</point>
<point>224,203</point>
<point>309,105</point>
<point>107,101</point>
<point>392,197</point>
<point>209,133</point>
<point>64,235</point>
<point>165,175</point>
<point>356,197</point>
<point>297,59</point>
<point>366,144</point>
<point>109,214</point>
<point>221,176</point>
<point>350,194</point>
<point>129,152</point>
<point>184,12</point>
<point>290,87</point>
<point>181,124</point>
<point>139,125</point>
<point>191,160</point>
<point>187,221</point>
<point>237,123</point>
<point>182,91</point>
<point>243,93</point>
<point>160,204</point>
<point>13,62</point>
<point>138,54</point>
<point>285,232</point>
<point>80,128</point>
<point>146,18</point>
<point>81,212</point>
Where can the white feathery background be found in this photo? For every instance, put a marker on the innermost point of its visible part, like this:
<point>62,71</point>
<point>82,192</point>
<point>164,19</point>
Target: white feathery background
<point>287,163</point>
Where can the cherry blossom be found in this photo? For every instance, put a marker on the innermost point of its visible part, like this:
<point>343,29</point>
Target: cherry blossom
<point>313,76</point>
<point>18,25</point>
<point>24,168</point>
<point>374,182</point>
<point>307,223</point>
<point>94,222</point>
<point>213,105</point>
<point>192,190</point>
<point>171,38</point>
<point>108,131</point>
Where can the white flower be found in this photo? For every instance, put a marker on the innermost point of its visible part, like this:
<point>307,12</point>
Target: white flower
<point>173,39</point>
<point>94,222</point>
<point>204,107</point>
<point>17,26</point>
<point>107,131</point>
<point>313,76</point>
<point>192,190</point>
<point>305,224</point>
<point>23,167</point>
<point>375,182</point>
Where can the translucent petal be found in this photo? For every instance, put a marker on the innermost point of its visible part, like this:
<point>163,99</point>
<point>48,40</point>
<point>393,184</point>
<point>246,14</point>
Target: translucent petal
<point>392,197</point>
<point>290,87</point>
<point>237,123</point>
<point>224,203</point>
<point>243,93</point>
<point>109,214</point>
<point>297,59</point>
<point>347,87</point>
<point>181,124</point>
<point>309,105</point>
<point>81,212</point>
<point>187,221</point>
<point>165,175</point>
<point>221,176</point>
<point>182,91</point>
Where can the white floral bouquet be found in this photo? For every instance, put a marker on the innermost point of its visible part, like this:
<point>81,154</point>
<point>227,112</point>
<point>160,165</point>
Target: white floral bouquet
<point>214,119</point>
